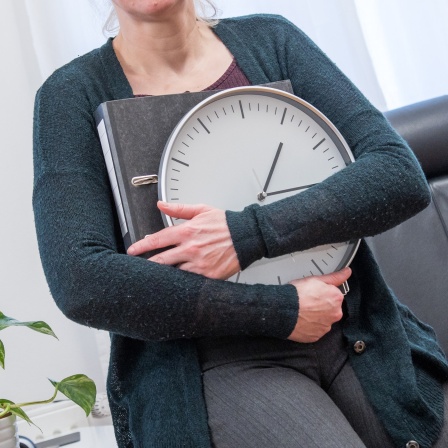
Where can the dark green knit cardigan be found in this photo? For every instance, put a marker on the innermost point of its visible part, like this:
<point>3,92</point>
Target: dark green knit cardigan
<point>154,312</point>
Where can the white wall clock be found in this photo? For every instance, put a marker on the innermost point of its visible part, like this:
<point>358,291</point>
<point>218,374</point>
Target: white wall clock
<point>256,145</point>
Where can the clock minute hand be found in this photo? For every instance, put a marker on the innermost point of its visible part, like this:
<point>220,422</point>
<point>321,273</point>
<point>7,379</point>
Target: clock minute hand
<point>263,194</point>
<point>303,187</point>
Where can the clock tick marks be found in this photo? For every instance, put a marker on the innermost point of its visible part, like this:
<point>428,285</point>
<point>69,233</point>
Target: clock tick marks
<point>318,144</point>
<point>241,108</point>
<point>284,114</point>
<point>279,280</point>
<point>179,161</point>
<point>317,266</point>
<point>203,125</point>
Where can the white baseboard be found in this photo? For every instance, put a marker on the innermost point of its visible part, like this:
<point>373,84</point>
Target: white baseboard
<point>56,419</point>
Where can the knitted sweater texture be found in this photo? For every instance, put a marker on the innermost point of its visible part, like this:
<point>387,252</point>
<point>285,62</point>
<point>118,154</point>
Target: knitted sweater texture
<point>154,312</point>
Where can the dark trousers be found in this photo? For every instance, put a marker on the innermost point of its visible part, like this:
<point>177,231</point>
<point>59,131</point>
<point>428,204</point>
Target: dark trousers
<point>265,393</point>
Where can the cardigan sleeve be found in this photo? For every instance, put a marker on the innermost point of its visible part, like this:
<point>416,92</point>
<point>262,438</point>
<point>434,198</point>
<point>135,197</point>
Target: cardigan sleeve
<point>384,186</point>
<point>90,277</point>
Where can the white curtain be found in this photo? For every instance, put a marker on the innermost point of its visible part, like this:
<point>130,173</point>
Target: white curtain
<point>407,41</point>
<point>394,51</point>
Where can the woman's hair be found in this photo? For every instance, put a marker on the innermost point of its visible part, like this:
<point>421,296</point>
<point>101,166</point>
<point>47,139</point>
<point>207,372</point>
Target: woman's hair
<point>206,12</point>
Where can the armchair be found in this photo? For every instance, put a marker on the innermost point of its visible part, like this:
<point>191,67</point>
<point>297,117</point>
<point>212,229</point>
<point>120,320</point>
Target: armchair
<point>414,255</point>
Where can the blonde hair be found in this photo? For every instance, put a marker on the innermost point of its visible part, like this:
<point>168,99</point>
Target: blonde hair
<point>206,11</point>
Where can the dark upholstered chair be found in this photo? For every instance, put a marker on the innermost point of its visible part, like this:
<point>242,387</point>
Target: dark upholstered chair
<point>414,255</point>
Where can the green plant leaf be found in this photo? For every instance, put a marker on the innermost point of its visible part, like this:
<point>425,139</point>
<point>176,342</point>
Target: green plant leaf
<point>80,389</point>
<point>38,326</point>
<point>21,413</point>
<point>4,407</point>
<point>2,355</point>
<point>15,411</point>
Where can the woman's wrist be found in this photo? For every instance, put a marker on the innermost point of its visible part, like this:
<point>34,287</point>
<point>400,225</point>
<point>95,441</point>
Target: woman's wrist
<point>246,235</point>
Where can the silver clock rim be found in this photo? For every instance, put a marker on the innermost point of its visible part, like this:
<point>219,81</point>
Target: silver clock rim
<point>305,106</point>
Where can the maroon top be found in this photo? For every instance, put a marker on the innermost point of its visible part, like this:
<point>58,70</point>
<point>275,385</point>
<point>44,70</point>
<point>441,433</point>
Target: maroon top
<point>232,77</point>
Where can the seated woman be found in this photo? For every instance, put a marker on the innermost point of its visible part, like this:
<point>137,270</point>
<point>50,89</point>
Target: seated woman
<point>197,361</point>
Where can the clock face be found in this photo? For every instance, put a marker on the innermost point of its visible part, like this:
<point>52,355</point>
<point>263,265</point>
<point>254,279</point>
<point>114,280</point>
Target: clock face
<point>256,145</point>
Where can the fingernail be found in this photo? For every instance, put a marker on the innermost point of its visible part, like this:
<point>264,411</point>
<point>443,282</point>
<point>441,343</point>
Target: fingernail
<point>131,250</point>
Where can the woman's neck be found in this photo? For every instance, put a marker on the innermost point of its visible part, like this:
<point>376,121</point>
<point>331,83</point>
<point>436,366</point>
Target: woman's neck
<point>170,52</point>
<point>167,43</point>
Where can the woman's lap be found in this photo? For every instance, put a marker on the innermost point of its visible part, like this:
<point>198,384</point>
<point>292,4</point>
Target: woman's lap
<point>264,406</point>
<point>302,397</point>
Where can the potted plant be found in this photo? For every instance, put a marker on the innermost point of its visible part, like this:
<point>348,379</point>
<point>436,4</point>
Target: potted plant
<point>78,388</point>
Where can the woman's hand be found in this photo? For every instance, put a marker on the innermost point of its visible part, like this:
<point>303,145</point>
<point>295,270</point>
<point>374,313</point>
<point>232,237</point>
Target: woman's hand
<point>320,305</point>
<point>202,244</point>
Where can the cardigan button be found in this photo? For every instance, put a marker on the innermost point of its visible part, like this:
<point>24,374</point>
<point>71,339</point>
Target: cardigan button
<point>412,444</point>
<point>359,348</point>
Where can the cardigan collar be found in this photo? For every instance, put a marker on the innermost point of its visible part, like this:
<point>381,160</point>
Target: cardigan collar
<point>119,84</point>
<point>113,71</point>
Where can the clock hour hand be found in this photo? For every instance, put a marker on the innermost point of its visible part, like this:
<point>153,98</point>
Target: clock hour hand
<point>303,187</point>
<point>263,194</point>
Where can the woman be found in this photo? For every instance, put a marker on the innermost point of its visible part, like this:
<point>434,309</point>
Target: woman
<point>196,361</point>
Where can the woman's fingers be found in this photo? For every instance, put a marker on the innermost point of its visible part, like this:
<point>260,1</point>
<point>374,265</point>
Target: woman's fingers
<point>336,278</point>
<point>182,211</point>
<point>320,305</point>
<point>169,236</point>
<point>163,238</point>
<point>202,244</point>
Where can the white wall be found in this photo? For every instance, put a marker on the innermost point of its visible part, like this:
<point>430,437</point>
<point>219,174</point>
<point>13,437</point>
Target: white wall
<point>30,357</point>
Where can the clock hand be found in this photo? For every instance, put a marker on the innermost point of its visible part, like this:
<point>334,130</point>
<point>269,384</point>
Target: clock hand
<point>303,187</point>
<point>263,194</point>
<point>259,184</point>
